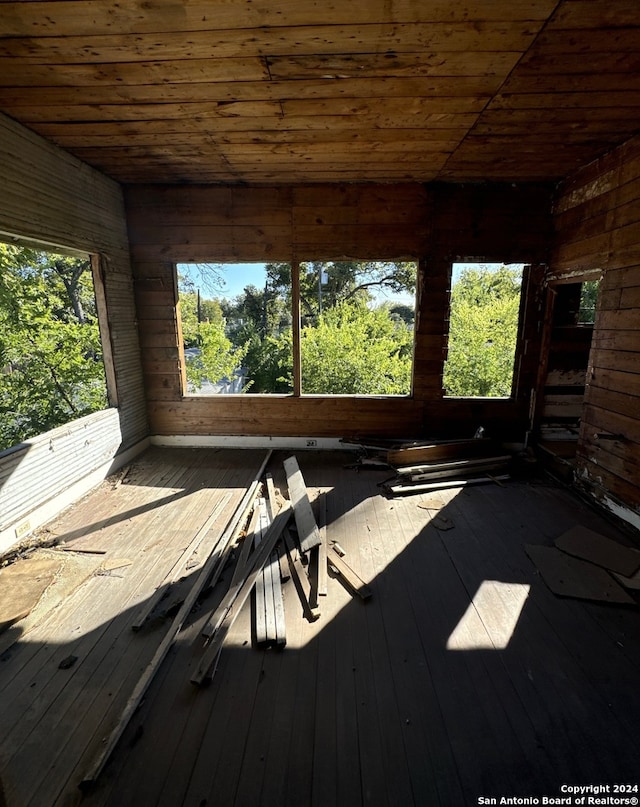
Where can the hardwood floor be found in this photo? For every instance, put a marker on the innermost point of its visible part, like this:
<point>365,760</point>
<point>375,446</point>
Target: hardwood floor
<point>462,676</point>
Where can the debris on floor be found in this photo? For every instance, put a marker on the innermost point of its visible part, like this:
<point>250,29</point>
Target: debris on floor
<point>263,532</point>
<point>422,466</point>
<point>31,588</point>
<point>567,576</point>
<point>435,466</point>
<point>583,564</point>
<point>589,545</point>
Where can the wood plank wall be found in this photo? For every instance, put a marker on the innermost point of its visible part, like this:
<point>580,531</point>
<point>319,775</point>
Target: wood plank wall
<point>51,199</point>
<point>431,224</point>
<point>54,200</point>
<point>597,222</point>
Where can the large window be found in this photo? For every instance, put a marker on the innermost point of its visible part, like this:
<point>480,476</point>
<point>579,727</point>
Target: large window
<point>357,327</point>
<point>51,367</point>
<point>346,329</point>
<point>483,329</point>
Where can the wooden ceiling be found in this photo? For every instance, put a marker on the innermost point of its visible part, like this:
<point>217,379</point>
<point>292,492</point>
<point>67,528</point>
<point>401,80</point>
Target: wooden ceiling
<point>301,91</point>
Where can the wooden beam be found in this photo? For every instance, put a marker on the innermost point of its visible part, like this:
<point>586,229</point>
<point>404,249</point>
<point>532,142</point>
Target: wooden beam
<point>262,587</point>
<point>308,533</point>
<point>295,328</point>
<point>350,577</point>
<point>300,579</point>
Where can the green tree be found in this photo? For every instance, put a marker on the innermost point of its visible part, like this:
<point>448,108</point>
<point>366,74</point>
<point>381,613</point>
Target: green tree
<point>356,350</point>
<point>325,284</point>
<point>483,330</point>
<point>204,328</point>
<point>50,351</point>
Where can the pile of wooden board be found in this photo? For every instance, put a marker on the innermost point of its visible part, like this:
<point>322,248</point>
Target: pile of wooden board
<point>586,565</point>
<point>276,542</point>
<point>270,539</point>
<point>433,466</point>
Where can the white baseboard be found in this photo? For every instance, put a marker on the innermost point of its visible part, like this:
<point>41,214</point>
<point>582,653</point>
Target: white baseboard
<point>16,533</point>
<point>250,441</point>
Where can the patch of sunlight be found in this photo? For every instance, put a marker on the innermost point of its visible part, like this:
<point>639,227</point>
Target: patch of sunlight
<point>491,618</point>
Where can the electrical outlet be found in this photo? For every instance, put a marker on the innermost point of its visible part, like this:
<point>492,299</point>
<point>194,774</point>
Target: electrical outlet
<point>23,529</point>
<point>312,443</point>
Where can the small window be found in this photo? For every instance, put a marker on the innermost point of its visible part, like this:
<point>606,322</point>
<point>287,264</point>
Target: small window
<point>357,327</point>
<point>588,300</point>
<point>483,330</point>
<point>51,359</point>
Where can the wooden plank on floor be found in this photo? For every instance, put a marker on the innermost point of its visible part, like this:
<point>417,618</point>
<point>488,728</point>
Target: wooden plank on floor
<point>260,590</point>
<point>350,577</point>
<point>567,576</point>
<point>152,667</point>
<point>222,619</point>
<point>584,543</point>
<point>300,579</point>
<point>308,533</point>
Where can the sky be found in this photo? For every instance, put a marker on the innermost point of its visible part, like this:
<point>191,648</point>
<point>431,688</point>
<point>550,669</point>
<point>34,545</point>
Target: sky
<point>239,275</point>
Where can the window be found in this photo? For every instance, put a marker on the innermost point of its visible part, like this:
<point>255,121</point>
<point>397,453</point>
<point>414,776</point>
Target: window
<point>483,329</point>
<point>236,327</point>
<point>588,300</point>
<point>353,334</point>
<point>51,362</point>
<point>357,327</point>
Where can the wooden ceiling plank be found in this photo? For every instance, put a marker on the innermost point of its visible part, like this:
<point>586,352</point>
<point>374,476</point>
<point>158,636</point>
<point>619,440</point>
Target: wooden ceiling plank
<point>390,64</point>
<point>428,138</point>
<point>80,18</point>
<point>539,61</point>
<point>574,14</point>
<point>382,37</point>
<point>567,100</point>
<point>553,83</point>
<point>17,73</point>
<point>587,41</point>
<point>243,126</point>
<point>380,110</point>
<point>241,91</point>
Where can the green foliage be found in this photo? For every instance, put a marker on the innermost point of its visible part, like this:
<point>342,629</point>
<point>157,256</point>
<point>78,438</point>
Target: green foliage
<point>204,328</point>
<point>50,352</point>
<point>483,331</point>
<point>324,284</point>
<point>588,300</point>
<point>269,363</point>
<point>356,350</point>
<point>347,346</point>
<point>217,358</point>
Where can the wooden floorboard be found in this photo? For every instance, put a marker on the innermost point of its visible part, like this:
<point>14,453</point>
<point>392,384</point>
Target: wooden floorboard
<point>414,697</point>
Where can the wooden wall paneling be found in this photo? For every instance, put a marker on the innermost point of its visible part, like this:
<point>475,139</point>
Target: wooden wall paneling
<point>100,294</point>
<point>52,201</point>
<point>597,214</point>
<point>431,328</point>
<point>329,221</point>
